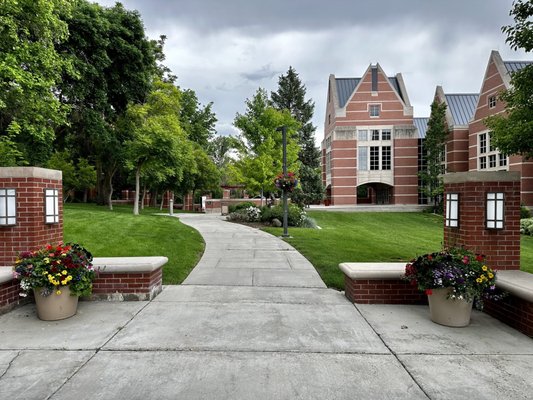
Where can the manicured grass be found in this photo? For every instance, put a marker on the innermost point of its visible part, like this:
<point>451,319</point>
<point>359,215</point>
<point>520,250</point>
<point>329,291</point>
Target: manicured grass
<point>378,237</point>
<point>526,253</point>
<point>119,233</point>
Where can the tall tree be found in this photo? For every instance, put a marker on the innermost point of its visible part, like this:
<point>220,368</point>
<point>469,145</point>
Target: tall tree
<point>512,132</point>
<point>434,148</point>
<point>156,136</point>
<point>261,143</point>
<point>291,96</point>
<point>116,65</point>
<point>197,121</point>
<point>30,68</point>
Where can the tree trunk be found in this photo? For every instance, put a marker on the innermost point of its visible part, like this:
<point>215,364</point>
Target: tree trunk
<point>153,200</point>
<point>137,190</point>
<point>85,195</point>
<point>110,191</point>
<point>143,197</point>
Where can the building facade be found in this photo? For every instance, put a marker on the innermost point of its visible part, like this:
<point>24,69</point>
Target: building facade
<point>370,151</point>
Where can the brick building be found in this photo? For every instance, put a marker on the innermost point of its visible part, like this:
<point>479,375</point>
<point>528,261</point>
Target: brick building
<point>370,151</point>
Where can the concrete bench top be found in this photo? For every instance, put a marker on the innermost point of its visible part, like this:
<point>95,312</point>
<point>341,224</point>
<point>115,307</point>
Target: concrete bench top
<point>373,270</point>
<point>128,264</point>
<point>519,283</point>
<point>6,274</point>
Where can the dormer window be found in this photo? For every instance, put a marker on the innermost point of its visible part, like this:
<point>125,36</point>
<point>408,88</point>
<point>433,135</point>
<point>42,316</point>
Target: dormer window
<point>492,101</point>
<point>374,110</point>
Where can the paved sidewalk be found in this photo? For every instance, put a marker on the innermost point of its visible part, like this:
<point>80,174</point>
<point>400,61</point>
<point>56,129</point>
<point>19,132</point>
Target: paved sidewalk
<point>232,331</point>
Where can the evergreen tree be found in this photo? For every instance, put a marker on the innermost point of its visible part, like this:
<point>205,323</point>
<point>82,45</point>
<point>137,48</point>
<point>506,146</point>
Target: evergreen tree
<point>291,96</point>
<point>434,147</point>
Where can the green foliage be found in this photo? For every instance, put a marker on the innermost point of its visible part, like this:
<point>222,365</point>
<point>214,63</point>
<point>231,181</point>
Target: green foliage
<point>30,68</point>
<point>241,206</point>
<point>512,132</point>
<point>248,214</point>
<point>291,96</point>
<point>524,212</point>
<point>198,122</point>
<point>75,177</point>
<point>261,144</point>
<point>434,148</point>
<point>526,226</point>
<point>157,139</point>
<point>294,217</point>
<point>201,173</point>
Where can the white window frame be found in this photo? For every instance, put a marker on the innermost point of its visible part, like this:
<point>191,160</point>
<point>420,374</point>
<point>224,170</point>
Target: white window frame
<point>491,101</point>
<point>372,113</point>
<point>491,152</point>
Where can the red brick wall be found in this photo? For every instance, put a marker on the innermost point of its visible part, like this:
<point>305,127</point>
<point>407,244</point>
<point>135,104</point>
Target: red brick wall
<point>382,291</point>
<point>500,246</point>
<point>30,232</point>
<point>133,286</point>
<point>513,311</point>
<point>9,296</point>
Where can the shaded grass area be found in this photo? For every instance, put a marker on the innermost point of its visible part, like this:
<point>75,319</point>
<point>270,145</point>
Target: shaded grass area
<point>375,237</point>
<point>119,233</point>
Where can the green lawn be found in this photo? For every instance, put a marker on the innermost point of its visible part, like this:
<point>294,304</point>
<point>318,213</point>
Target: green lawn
<point>119,233</point>
<point>359,237</point>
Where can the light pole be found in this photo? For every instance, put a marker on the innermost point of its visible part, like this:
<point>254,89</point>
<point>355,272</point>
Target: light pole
<point>283,130</point>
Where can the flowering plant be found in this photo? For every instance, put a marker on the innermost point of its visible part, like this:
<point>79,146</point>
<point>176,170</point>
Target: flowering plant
<point>286,182</point>
<point>53,267</point>
<point>461,270</point>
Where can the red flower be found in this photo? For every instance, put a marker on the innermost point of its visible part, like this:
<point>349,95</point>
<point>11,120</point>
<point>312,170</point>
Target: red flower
<point>466,260</point>
<point>429,292</point>
<point>430,257</point>
<point>479,258</point>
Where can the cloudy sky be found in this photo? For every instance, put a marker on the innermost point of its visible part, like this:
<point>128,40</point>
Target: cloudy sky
<point>226,49</point>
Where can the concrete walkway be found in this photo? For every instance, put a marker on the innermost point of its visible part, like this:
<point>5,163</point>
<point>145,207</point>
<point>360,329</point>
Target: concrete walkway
<point>234,330</point>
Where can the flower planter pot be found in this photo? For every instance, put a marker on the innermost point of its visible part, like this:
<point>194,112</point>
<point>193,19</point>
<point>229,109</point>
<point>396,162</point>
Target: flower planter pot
<point>54,306</point>
<point>449,312</point>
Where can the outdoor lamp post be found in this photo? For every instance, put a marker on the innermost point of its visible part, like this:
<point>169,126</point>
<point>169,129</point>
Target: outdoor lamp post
<point>283,130</point>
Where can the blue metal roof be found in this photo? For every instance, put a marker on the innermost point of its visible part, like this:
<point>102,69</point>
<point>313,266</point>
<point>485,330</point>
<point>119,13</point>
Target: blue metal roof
<point>462,107</point>
<point>345,88</point>
<point>421,125</point>
<point>513,66</point>
<point>396,86</point>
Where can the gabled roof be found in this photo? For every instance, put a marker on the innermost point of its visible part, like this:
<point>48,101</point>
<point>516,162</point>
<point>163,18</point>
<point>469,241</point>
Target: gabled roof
<point>421,125</point>
<point>462,107</point>
<point>346,86</point>
<point>513,66</point>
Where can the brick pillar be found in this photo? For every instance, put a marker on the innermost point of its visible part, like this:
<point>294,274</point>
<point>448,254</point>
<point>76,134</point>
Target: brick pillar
<point>188,202</point>
<point>30,230</point>
<point>500,246</point>
<point>226,194</point>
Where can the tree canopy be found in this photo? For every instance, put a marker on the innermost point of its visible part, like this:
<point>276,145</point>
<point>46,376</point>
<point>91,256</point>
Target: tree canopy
<point>512,132</point>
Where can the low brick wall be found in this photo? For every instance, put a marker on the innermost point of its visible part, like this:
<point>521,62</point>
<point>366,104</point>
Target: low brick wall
<point>514,311</point>
<point>382,291</point>
<point>128,278</point>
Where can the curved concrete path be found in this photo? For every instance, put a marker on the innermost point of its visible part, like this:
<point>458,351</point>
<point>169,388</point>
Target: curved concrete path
<point>239,255</point>
<point>234,330</point>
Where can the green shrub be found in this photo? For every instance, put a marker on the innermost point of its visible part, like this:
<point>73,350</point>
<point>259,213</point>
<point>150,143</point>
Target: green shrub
<point>294,215</point>
<point>249,214</point>
<point>240,206</point>
<point>526,226</point>
<point>524,212</point>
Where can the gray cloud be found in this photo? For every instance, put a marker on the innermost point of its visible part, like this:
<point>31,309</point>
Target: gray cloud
<point>225,50</point>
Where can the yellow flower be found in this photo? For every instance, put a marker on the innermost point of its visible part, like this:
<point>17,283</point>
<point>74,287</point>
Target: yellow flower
<point>491,275</point>
<point>479,280</point>
<point>69,278</point>
<point>64,272</point>
<point>46,260</point>
<point>484,268</point>
<point>58,292</point>
<point>64,282</point>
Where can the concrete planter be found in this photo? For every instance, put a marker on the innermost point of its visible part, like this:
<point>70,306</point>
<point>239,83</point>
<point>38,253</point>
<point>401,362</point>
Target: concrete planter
<point>449,312</point>
<point>54,306</point>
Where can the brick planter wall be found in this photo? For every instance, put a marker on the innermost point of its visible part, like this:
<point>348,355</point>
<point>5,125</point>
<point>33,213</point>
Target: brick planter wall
<point>9,296</point>
<point>382,291</point>
<point>513,311</point>
<point>500,246</point>
<point>30,231</point>
<point>127,286</point>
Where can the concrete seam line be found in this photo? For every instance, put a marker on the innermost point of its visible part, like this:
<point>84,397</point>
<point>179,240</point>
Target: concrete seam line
<point>393,353</point>
<point>10,364</point>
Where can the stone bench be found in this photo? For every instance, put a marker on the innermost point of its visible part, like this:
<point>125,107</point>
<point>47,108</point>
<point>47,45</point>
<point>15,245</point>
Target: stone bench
<point>379,283</point>
<point>128,278</point>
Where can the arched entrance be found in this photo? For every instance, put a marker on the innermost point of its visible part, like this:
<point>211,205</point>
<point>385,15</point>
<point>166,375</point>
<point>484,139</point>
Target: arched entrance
<point>375,193</point>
